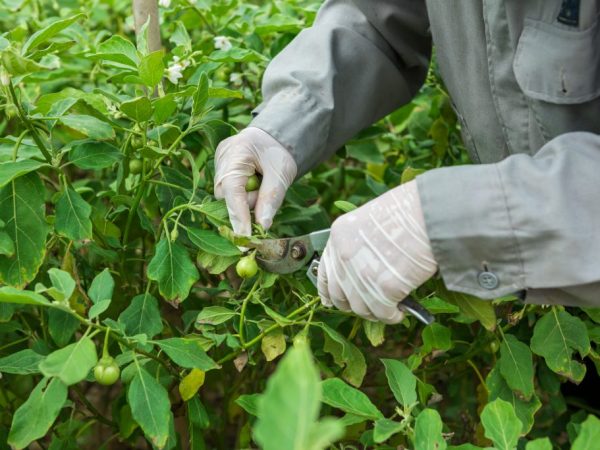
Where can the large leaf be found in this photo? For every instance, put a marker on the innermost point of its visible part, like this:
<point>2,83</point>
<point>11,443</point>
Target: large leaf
<point>187,353</point>
<point>525,408</point>
<point>61,326</point>
<point>436,337</point>
<point>34,418</point>
<point>48,32</point>
<point>72,363</point>
<point>173,269</point>
<point>12,295</point>
<point>63,283</point>
<point>13,169</point>
<point>191,383</point>
<point>516,365</point>
<point>428,431</point>
<point>289,408</point>
<point>345,354</point>
<point>201,95</point>
<point>151,68</point>
<point>501,424</point>
<point>273,344</point>
<point>555,337</point>
<point>385,429</point>
<point>212,243</point>
<point>73,216</point>
<point>338,394</point>
<point>402,381</point>
<point>589,434</point>
<point>94,155</point>
<point>22,210</point>
<point>88,125</point>
<point>21,363</point>
<point>150,406</point>
<point>142,316</point>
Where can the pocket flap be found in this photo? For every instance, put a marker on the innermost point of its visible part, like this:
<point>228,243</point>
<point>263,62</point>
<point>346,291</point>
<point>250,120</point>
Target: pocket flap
<point>558,65</point>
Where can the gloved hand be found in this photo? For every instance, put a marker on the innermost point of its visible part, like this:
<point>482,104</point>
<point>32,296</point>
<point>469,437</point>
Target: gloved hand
<point>376,255</point>
<point>240,156</point>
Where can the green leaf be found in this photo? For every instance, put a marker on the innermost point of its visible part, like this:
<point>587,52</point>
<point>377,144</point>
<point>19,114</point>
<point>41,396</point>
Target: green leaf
<point>100,293</point>
<point>119,50</point>
<point>7,246</point>
<point>16,65</point>
<point>187,353</point>
<point>12,295</point>
<point>501,424</point>
<point>540,444</point>
<point>470,306</point>
<point>151,68</point>
<point>345,354</point>
<point>289,408</point>
<point>63,282</point>
<point>428,431</point>
<point>385,429</point>
<point>139,109</point>
<point>211,242</point>
<point>61,326</point>
<point>516,365</point>
<point>402,381</point>
<point>21,363</point>
<point>221,92</point>
<point>436,337</point>
<point>338,394</point>
<point>34,418</point>
<point>375,332</point>
<point>191,383</point>
<point>214,315</point>
<point>215,264</point>
<point>73,216</point>
<point>164,107</point>
<point>142,316</point>
<point>48,32</point>
<point>273,344</point>
<point>173,269</point>
<point>94,155</point>
<point>365,151</point>
<point>150,406</point>
<point>88,125</point>
<point>589,434</point>
<point>555,337</point>
<point>345,206</point>
<point>13,169</point>
<point>525,409</point>
<point>201,95</point>
<point>249,403</point>
<point>72,363</point>
<point>22,209</point>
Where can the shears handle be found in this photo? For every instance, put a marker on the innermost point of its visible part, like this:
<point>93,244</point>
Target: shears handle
<point>408,305</point>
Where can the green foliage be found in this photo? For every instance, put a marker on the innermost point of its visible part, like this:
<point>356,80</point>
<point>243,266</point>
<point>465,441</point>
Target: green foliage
<point>113,247</point>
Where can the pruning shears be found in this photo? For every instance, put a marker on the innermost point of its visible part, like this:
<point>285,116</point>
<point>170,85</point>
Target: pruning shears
<point>290,255</point>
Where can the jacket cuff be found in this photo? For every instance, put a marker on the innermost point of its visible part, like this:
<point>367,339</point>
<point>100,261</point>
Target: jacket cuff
<point>283,117</point>
<point>469,225</point>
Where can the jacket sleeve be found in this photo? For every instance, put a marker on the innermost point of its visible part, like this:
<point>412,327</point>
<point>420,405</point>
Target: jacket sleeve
<point>359,61</point>
<point>527,223</point>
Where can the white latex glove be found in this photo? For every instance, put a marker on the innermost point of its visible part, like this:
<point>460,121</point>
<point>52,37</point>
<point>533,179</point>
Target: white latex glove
<point>376,255</point>
<point>240,156</point>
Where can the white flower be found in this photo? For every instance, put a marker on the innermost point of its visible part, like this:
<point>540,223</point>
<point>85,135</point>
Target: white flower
<point>223,43</point>
<point>175,70</point>
<point>164,3</point>
<point>4,78</point>
<point>235,78</point>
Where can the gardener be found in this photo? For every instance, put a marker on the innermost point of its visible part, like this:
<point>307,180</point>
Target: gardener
<point>525,82</point>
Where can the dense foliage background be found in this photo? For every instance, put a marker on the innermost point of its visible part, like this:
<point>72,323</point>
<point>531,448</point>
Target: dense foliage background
<point>113,246</point>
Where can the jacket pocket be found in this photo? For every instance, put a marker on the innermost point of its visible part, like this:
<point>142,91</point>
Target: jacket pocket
<point>556,64</point>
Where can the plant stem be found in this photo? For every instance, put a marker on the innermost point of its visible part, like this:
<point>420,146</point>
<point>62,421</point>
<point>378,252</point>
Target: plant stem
<point>201,15</point>
<point>243,311</point>
<point>273,327</point>
<point>23,116</point>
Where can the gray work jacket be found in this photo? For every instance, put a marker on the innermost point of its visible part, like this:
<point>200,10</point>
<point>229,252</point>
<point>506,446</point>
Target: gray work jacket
<point>524,77</point>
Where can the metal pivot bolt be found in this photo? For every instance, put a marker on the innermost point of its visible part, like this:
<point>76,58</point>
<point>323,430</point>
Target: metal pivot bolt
<point>298,251</point>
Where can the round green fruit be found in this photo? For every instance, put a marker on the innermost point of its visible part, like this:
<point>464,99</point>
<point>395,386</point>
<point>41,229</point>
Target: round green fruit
<point>246,267</point>
<point>252,184</point>
<point>107,371</point>
<point>136,166</point>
